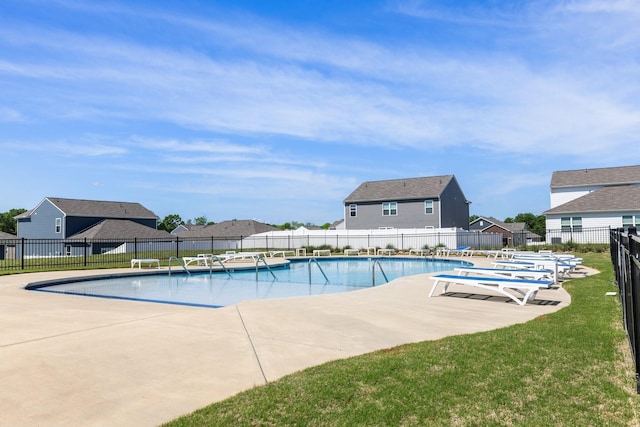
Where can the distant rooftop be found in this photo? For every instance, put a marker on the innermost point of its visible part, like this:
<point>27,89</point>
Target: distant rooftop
<point>600,176</point>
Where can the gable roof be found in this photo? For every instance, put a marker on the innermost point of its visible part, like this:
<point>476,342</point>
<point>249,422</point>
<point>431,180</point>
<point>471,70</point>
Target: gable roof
<point>98,208</point>
<point>120,229</point>
<point>508,226</point>
<point>400,189</point>
<point>595,177</point>
<point>607,199</point>
<point>233,228</point>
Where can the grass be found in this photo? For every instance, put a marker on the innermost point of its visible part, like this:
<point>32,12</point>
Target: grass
<point>569,368</point>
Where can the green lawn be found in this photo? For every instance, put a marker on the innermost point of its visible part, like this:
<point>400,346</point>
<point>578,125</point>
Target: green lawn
<point>570,368</point>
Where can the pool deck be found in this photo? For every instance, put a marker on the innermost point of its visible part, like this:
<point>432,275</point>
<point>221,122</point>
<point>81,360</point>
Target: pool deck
<point>79,361</point>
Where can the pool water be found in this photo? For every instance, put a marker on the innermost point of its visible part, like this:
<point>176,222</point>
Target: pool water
<point>219,289</point>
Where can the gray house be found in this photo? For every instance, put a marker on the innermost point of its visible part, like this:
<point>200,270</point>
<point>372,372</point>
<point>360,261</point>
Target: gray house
<point>72,220</point>
<point>429,202</point>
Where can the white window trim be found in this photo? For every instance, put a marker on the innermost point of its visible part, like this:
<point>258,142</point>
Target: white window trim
<point>58,227</point>
<point>390,209</point>
<point>428,204</point>
<point>571,224</point>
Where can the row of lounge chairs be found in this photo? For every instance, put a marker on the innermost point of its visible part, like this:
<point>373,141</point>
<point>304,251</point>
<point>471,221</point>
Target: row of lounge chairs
<point>209,259</point>
<point>519,277</point>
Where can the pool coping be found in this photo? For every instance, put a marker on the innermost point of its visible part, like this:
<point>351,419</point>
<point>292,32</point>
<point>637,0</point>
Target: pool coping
<point>86,361</point>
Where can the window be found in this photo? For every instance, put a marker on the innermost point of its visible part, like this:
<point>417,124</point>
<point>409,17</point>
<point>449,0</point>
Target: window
<point>576,223</point>
<point>58,225</point>
<point>428,207</point>
<point>353,209</point>
<point>630,221</point>
<point>568,224</point>
<point>390,208</point>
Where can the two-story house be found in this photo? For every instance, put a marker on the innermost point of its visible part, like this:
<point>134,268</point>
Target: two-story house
<point>62,219</point>
<point>593,198</point>
<point>428,202</point>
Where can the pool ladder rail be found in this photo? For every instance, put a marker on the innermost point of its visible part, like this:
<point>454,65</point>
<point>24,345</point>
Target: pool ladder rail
<point>264,261</point>
<point>313,260</point>
<point>181,264</point>
<point>373,272</point>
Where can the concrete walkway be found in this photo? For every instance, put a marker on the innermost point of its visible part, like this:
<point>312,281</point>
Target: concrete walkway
<point>79,361</point>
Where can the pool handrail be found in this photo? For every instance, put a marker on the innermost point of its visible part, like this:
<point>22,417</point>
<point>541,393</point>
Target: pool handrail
<point>373,272</point>
<point>261,257</point>
<point>217,258</point>
<point>184,267</point>
<point>313,259</point>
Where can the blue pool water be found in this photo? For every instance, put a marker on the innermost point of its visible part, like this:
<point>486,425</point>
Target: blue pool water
<point>299,278</point>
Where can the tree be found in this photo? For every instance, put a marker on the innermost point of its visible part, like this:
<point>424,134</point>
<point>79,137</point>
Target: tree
<point>535,223</point>
<point>8,222</point>
<point>200,220</point>
<point>170,222</point>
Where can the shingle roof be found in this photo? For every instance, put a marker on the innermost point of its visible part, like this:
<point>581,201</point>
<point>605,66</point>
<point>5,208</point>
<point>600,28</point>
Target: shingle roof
<point>509,226</point>
<point>102,209</point>
<point>233,228</point>
<point>4,235</point>
<point>600,176</point>
<point>120,229</point>
<point>400,189</point>
<point>607,199</point>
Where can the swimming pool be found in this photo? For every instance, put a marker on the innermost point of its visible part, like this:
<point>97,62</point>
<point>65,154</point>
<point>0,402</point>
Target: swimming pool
<point>298,278</point>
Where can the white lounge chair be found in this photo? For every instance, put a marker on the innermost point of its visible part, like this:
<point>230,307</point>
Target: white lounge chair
<point>511,288</point>
<point>460,250</point>
<point>148,261</point>
<point>201,259</point>
<point>516,273</point>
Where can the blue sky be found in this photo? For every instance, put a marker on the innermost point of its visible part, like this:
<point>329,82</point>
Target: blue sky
<point>277,110</point>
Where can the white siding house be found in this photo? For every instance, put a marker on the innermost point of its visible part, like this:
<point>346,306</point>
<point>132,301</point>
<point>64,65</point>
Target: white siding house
<point>588,199</point>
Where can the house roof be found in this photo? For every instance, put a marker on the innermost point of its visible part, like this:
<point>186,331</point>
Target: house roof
<point>97,208</point>
<point>509,226</point>
<point>607,199</point>
<point>4,235</point>
<point>120,229</point>
<point>336,223</point>
<point>596,177</point>
<point>400,189</point>
<point>233,228</point>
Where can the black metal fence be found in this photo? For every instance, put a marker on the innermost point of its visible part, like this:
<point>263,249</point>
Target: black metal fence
<point>50,254</point>
<point>43,254</point>
<point>625,253</point>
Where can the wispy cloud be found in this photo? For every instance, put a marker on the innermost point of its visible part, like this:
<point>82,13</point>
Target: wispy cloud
<point>239,98</point>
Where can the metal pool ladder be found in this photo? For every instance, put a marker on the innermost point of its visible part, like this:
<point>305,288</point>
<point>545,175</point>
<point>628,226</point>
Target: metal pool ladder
<point>320,268</point>
<point>217,258</point>
<point>261,258</point>
<point>184,267</point>
<point>373,272</point>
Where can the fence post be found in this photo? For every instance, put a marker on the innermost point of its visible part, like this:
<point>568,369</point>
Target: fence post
<point>22,254</point>
<point>84,249</point>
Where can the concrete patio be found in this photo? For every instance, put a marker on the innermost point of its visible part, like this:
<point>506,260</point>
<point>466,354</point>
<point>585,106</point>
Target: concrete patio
<point>71,360</point>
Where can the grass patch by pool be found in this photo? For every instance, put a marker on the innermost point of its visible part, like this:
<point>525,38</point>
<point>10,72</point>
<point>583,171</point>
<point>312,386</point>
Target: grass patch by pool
<point>569,368</point>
